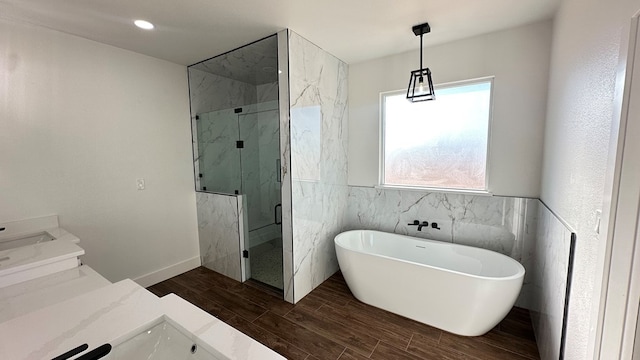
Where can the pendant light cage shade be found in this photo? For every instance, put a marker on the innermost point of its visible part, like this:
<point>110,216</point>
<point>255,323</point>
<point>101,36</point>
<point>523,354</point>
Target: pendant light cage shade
<point>420,86</point>
<point>420,83</point>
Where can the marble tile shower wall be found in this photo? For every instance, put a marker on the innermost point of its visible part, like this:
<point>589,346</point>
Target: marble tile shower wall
<point>219,234</point>
<point>267,92</point>
<point>285,158</point>
<point>503,224</point>
<point>215,97</point>
<point>318,101</point>
<point>260,133</point>
<point>208,93</point>
<point>217,133</point>
<point>549,279</point>
<point>211,92</point>
<point>252,170</point>
<point>270,195</point>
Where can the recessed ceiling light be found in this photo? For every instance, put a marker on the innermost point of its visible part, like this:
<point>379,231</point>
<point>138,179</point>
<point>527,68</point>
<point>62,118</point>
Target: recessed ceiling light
<point>143,24</point>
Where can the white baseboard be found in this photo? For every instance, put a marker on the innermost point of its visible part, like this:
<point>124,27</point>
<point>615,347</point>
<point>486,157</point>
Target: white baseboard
<point>168,272</point>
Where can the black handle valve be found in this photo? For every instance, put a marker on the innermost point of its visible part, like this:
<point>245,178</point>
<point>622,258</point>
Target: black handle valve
<point>415,223</point>
<point>424,224</point>
<point>435,226</point>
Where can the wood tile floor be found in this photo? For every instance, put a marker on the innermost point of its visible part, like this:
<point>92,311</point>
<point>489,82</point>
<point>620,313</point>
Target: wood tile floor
<point>330,323</point>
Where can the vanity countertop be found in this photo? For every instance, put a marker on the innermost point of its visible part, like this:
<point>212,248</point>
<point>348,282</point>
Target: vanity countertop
<point>114,313</point>
<point>10,230</point>
<point>27,296</point>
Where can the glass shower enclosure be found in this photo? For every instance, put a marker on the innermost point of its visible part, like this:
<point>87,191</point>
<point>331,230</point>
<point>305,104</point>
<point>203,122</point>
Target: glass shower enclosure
<point>237,146</point>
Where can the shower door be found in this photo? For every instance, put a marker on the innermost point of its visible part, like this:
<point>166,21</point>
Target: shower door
<point>260,172</point>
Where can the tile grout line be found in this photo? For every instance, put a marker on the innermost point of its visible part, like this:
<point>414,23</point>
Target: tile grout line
<point>287,313</point>
<point>259,316</point>
<point>409,343</point>
<point>254,320</point>
<point>374,349</point>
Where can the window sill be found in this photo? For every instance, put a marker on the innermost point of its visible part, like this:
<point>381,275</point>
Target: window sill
<point>438,190</point>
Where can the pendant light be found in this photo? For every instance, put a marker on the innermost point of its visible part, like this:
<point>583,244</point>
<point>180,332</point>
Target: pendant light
<point>420,83</point>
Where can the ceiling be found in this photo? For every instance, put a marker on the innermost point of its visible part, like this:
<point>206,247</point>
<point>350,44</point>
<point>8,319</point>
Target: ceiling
<point>189,31</point>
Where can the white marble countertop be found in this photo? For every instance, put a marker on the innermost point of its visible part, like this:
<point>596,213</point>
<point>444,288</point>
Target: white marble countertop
<point>30,256</point>
<point>62,234</point>
<point>112,314</point>
<point>11,230</point>
<point>27,296</point>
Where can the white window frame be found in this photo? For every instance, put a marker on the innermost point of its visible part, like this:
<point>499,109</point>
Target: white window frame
<point>381,162</point>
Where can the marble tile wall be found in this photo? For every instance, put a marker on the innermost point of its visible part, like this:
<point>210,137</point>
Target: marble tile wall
<point>264,234</point>
<point>254,63</point>
<point>267,92</point>
<point>217,156</point>
<point>225,169</point>
<point>259,161</point>
<point>219,233</point>
<point>285,166</point>
<point>318,125</point>
<point>503,224</point>
<point>550,270</point>
<point>521,228</point>
<point>253,170</point>
<point>210,92</point>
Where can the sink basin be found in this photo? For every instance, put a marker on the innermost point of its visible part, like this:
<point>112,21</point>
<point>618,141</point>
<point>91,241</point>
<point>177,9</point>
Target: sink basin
<point>160,342</point>
<point>20,233</point>
<point>26,240</point>
<point>137,323</point>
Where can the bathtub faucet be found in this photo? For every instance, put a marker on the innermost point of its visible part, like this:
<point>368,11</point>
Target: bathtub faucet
<point>419,225</point>
<point>423,224</point>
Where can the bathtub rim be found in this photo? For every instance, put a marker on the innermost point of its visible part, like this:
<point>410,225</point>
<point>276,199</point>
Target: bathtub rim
<point>520,273</point>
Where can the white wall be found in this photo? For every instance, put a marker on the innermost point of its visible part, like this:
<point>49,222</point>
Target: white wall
<point>589,44</point>
<point>79,122</point>
<point>519,60</point>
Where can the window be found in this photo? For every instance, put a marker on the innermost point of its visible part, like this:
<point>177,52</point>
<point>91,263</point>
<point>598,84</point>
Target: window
<point>437,144</point>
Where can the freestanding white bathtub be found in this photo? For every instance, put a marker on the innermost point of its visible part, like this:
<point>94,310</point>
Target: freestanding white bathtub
<point>457,288</point>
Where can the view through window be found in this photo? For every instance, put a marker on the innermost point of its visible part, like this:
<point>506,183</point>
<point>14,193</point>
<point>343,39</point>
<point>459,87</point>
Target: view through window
<point>441,143</point>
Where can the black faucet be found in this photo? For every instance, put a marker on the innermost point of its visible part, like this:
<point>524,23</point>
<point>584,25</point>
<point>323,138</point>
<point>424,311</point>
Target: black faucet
<point>424,224</point>
<point>419,225</point>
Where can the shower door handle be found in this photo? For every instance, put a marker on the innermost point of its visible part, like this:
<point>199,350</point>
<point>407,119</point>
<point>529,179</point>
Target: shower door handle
<point>275,214</point>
